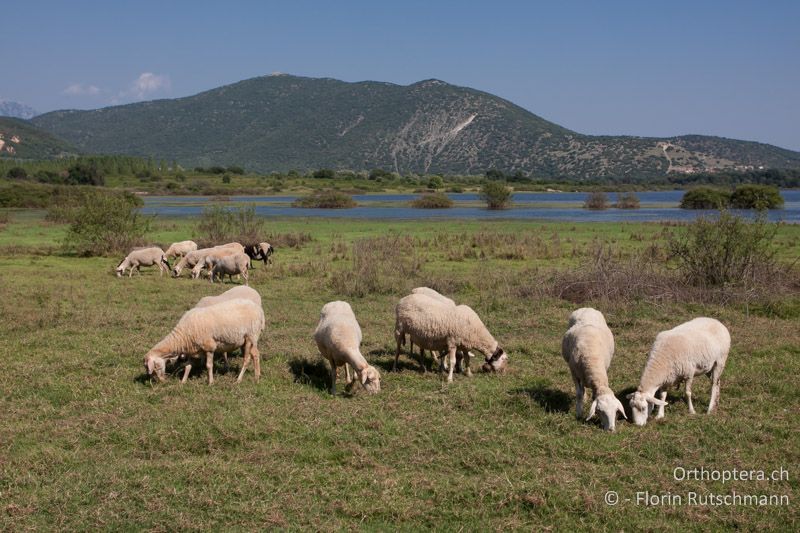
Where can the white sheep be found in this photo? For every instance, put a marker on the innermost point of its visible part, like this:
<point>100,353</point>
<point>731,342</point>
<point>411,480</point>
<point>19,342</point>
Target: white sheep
<point>143,257</point>
<point>427,291</point>
<point>338,337</point>
<point>191,259</point>
<point>435,325</point>
<point>587,347</point>
<point>699,346</point>
<point>179,249</point>
<point>206,263</point>
<point>230,265</point>
<point>202,331</point>
<point>241,291</point>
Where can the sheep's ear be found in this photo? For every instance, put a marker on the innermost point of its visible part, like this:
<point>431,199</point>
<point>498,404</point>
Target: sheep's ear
<point>630,395</point>
<point>621,410</point>
<point>656,401</point>
<point>592,409</point>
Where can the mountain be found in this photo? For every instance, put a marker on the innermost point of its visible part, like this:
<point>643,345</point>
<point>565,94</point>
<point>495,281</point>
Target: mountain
<point>16,110</point>
<point>21,139</point>
<point>282,122</point>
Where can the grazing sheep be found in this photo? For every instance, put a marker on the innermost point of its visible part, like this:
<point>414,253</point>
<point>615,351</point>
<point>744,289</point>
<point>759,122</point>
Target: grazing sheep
<point>202,331</point>
<point>243,292</point>
<point>206,263</point>
<point>143,257</point>
<point>587,347</point>
<point>459,354</point>
<point>234,264</point>
<point>191,259</point>
<point>338,337</point>
<point>262,251</point>
<point>699,346</point>
<point>179,249</point>
<point>436,325</point>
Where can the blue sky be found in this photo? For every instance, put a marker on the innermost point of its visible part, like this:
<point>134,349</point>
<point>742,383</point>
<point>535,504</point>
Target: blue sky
<point>615,67</point>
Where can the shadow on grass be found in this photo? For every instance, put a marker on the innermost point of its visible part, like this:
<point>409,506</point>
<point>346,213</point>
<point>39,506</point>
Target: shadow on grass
<point>315,373</point>
<point>550,399</point>
<point>175,371</point>
<point>384,360</point>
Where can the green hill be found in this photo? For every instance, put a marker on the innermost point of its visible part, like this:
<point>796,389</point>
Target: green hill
<point>283,122</point>
<point>19,139</point>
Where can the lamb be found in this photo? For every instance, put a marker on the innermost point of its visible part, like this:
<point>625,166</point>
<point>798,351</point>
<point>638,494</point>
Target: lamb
<point>143,257</point>
<point>262,250</point>
<point>436,325</point>
<point>225,326</point>
<point>338,337</point>
<point>192,258</point>
<point>587,347</point>
<point>228,264</point>
<point>699,346</point>
<point>179,249</point>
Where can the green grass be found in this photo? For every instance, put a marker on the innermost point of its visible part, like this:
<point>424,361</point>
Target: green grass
<point>87,443</point>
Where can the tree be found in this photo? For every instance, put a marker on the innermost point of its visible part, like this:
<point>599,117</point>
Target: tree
<point>85,174</point>
<point>496,195</point>
<point>596,200</point>
<point>756,197</point>
<point>494,174</point>
<point>324,173</point>
<point>435,182</point>
<point>705,198</point>
<point>17,173</point>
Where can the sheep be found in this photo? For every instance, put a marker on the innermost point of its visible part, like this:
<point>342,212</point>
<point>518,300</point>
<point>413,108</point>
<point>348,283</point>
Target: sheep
<point>338,337</point>
<point>436,325</point>
<point>205,262</point>
<point>243,292</point>
<point>228,264</point>
<point>262,250</point>
<point>225,326</point>
<point>191,259</point>
<point>179,249</point>
<point>699,346</point>
<point>587,347</point>
<point>143,257</point>
<point>459,354</point>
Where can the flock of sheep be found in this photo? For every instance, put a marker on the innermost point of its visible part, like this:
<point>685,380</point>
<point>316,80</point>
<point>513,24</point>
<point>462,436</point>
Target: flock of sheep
<point>235,319</point>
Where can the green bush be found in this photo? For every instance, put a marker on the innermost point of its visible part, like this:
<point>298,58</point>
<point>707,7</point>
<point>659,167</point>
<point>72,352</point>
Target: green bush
<point>436,200</point>
<point>756,197</point>
<point>326,200</point>
<point>85,174</point>
<point>723,250</point>
<point>705,198</point>
<point>435,182</point>
<point>496,194</point>
<point>16,173</point>
<point>323,173</point>
<point>596,200</point>
<point>105,223</point>
<point>219,224</point>
<point>627,200</point>
<point>236,170</point>
<point>226,178</point>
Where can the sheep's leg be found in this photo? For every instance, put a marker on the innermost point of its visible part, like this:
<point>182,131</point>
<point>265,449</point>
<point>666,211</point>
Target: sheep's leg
<point>422,359</point>
<point>579,393</point>
<point>660,413</point>
<point>246,278</point>
<point>333,378</point>
<point>716,372</point>
<point>256,360</point>
<point>210,367</point>
<point>689,394</point>
<point>247,356</point>
<point>452,357</point>
<point>397,353</point>
<point>225,359</point>
<point>347,373</point>
<point>186,370</point>
<point>465,364</point>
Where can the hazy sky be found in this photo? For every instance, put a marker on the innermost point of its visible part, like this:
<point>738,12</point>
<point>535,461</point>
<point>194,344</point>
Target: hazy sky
<point>724,68</point>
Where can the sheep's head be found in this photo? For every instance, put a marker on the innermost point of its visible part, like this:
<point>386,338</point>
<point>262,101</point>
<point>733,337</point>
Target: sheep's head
<point>371,380</point>
<point>155,366</point>
<point>176,271</point>
<point>641,405</point>
<point>607,406</point>
<point>497,362</point>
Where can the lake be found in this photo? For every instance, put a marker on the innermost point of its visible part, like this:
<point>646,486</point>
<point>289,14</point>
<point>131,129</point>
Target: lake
<point>559,206</point>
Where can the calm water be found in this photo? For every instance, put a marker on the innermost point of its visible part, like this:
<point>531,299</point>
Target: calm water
<point>655,205</point>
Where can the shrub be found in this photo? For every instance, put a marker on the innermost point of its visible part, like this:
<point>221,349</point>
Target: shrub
<point>436,200</point>
<point>16,173</point>
<point>723,250</point>
<point>235,169</point>
<point>756,197</point>
<point>455,189</point>
<point>496,194</point>
<point>219,224</point>
<point>85,174</point>
<point>435,182</point>
<point>105,223</point>
<point>381,265</point>
<point>705,198</point>
<point>596,200</point>
<point>226,178</point>
<point>326,200</point>
<point>627,200</point>
<point>323,173</point>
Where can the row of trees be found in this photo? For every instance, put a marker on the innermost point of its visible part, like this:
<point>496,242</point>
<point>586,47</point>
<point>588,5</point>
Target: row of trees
<point>742,197</point>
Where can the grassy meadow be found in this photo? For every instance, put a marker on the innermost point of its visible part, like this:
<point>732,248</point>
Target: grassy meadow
<point>87,442</point>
